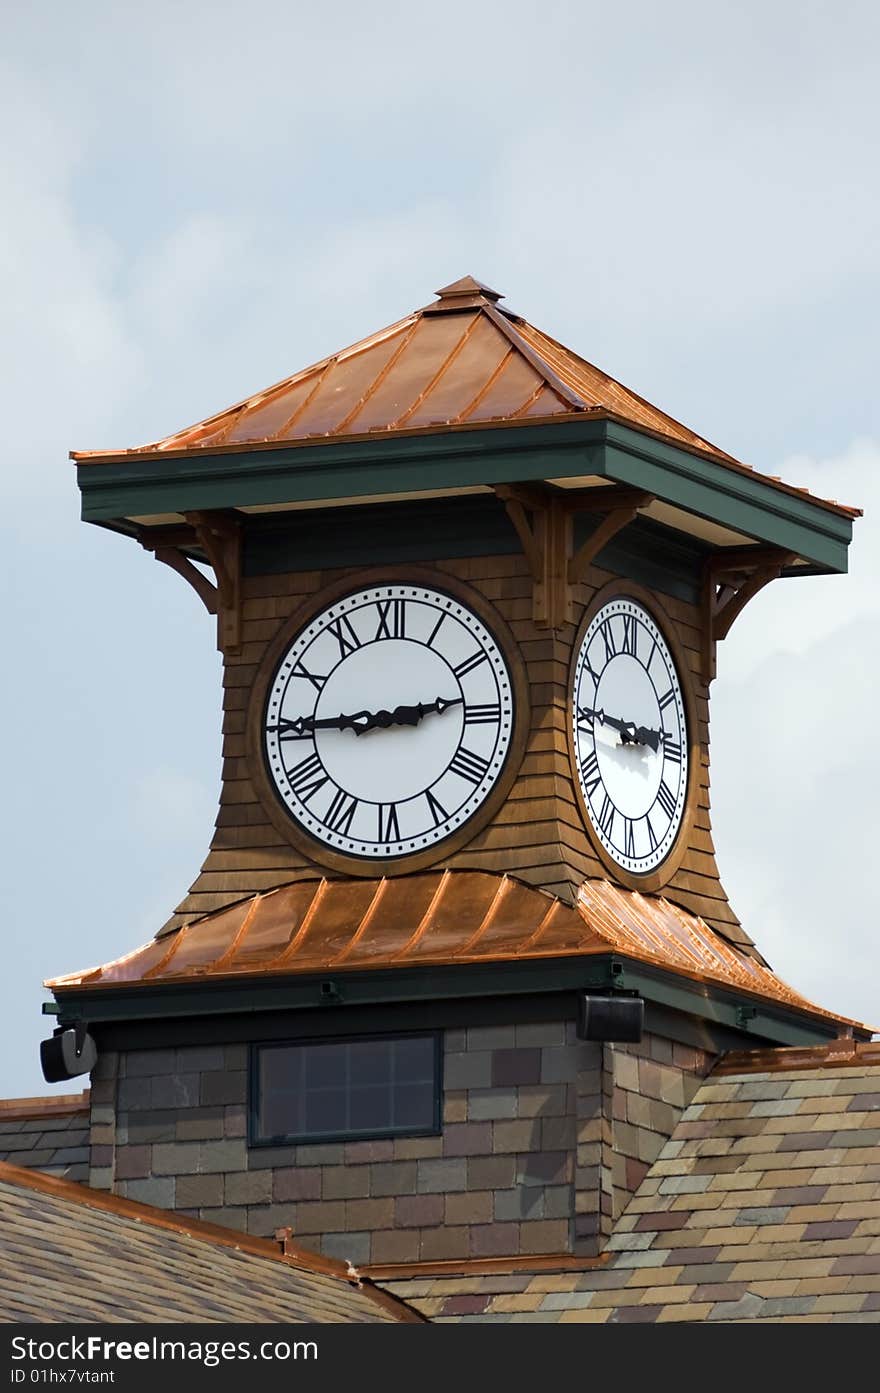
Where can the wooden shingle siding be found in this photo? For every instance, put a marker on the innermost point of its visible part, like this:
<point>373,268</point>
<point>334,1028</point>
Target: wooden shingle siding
<point>537,835</point>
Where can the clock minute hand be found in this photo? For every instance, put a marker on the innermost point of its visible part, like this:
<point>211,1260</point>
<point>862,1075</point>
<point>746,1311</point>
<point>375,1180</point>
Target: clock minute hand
<point>631,733</point>
<point>400,716</point>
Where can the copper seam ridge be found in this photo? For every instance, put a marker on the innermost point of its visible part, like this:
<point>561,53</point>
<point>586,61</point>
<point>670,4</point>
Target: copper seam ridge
<point>289,952</point>
<point>226,430</point>
<point>426,919</point>
<point>307,400</point>
<point>530,401</point>
<point>550,913</point>
<point>366,919</point>
<point>450,1267</point>
<point>486,387</point>
<point>500,894</point>
<point>229,952</point>
<point>448,360</point>
<point>543,369</point>
<point>864,1054</point>
<point>377,380</point>
<point>174,944</point>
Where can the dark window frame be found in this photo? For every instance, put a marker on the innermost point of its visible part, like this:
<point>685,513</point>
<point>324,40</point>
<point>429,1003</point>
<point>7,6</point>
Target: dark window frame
<point>255,1140</point>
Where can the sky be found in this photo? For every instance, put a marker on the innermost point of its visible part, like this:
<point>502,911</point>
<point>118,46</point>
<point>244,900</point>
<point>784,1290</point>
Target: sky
<point>200,199</point>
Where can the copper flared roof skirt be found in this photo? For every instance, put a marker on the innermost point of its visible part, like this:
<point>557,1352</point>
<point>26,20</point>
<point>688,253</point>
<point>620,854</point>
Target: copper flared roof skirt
<point>462,361</point>
<point>432,919</point>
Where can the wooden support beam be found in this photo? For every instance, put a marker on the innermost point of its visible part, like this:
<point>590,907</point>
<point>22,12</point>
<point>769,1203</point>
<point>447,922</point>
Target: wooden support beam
<point>730,579</point>
<point>545,537</point>
<point>610,525</point>
<point>218,535</point>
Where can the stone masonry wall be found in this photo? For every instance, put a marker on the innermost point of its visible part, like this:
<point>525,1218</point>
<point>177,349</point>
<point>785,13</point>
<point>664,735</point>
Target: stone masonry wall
<point>544,1137</point>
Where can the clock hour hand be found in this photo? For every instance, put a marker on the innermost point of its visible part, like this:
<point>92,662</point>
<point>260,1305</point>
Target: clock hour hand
<point>630,733</point>
<point>361,721</point>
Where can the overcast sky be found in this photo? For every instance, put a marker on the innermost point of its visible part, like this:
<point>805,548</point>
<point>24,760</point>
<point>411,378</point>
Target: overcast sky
<point>200,198</point>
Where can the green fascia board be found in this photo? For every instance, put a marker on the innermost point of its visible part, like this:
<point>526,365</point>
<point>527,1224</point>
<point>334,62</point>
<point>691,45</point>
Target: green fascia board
<point>455,459</point>
<point>763,1020</point>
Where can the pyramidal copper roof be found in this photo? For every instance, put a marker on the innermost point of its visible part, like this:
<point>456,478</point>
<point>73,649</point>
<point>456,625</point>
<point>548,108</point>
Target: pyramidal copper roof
<point>463,360</point>
<point>431,919</point>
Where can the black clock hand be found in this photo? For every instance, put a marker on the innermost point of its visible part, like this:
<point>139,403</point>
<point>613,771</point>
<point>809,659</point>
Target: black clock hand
<point>629,731</point>
<point>361,721</point>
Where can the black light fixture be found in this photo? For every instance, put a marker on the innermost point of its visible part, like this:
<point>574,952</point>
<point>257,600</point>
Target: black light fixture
<point>67,1053</point>
<point>619,1018</point>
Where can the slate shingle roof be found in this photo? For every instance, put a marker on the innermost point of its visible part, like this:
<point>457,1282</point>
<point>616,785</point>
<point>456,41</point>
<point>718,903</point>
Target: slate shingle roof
<point>51,1133</point>
<point>763,1205</point>
<point>72,1254</point>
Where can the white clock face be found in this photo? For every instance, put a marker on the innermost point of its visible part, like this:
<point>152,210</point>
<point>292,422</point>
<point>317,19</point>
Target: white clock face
<point>389,720</point>
<point>630,735</point>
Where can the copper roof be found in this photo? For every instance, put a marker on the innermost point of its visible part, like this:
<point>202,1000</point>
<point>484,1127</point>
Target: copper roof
<point>50,1105</point>
<point>74,1254</point>
<point>435,918</point>
<point>763,1205</point>
<point>462,361</point>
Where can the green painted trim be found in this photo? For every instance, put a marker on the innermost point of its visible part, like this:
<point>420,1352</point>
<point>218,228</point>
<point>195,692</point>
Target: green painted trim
<point>725,1007</point>
<point>358,468</point>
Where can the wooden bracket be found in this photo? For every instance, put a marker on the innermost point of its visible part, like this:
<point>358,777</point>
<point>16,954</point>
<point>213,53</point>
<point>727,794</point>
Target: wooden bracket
<point>546,542</point>
<point>543,524</point>
<point>730,579</point>
<point>219,536</point>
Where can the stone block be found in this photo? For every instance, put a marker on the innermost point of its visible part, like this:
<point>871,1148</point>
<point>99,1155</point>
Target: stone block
<point>297,1183</point>
<point>455,1107</point>
<point>522,1135</point>
<point>369,1213</point>
<point>470,1207</point>
<point>437,1245</point>
<point>400,1245</point>
<point>176,1158</point>
<point>140,1063</point>
<point>525,1203</point>
<point>230,1216</point>
<point>264,1219</point>
<point>227,1155</point>
<point>347,1247</point>
<point>516,1067</point>
<point>260,1158</point>
<point>175,1091</point>
<point>345,1182</point>
<point>132,1162</point>
<point>202,1124</point>
<point>559,1064</point>
<point>199,1191</point>
<point>417,1148</point>
<point>455,1041</point>
<point>470,1070</point>
<point>468,1139</point>
<point>321,1217</point>
<point>491,1037</point>
<point>235,1120</point>
<point>544,1236</point>
<point>418,1211</point>
<point>248,1187</point>
<point>135,1094</point>
<point>489,1104</point>
<point>547,1033</point>
<point>199,1059</point>
<point>442,1175</point>
<point>235,1058</point>
<point>542,1100</point>
<point>491,1172</point>
<point>494,1240</point>
<point>544,1168</point>
<point>152,1126</point>
<point>393,1178</point>
<point>626,1070</point>
<point>557,1133</point>
<point>158,1190</point>
<point>558,1202</point>
<point>101,1177</point>
<point>223,1087</point>
<point>101,1156</point>
<point>361,1153</point>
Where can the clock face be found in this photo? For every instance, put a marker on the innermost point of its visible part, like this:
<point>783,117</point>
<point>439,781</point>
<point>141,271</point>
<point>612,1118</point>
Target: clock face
<point>388,721</point>
<point>630,735</point>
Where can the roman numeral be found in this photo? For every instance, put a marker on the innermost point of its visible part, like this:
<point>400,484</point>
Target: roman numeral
<point>307,777</point>
<point>392,619</point>
<point>671,750</point>
<point>652,840</point>
<point>300,670</point>
<point>666,800</point>
<point>345,635</point>
<point>665,700</point>
<point>590,774</point>
<point>606,816</point>
<point>389,829</point>
<point>488,714</point>
<point>629,837</point>
<point>437,810</point>
<point>468,765</point>
<point>585,719</point>
<point>652,652</point>
<point>594,675</point>
<point>629,634</point>
<point>341,812</point>
<point>436,629</point>
<point>470,663</point>
<point>607,633</point>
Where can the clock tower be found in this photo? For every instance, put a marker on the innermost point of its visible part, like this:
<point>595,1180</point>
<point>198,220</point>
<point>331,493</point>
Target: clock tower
<point>459,952</point>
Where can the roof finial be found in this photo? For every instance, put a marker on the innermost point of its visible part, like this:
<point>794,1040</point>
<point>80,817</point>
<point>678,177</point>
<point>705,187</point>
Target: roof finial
<point>468,289</point>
